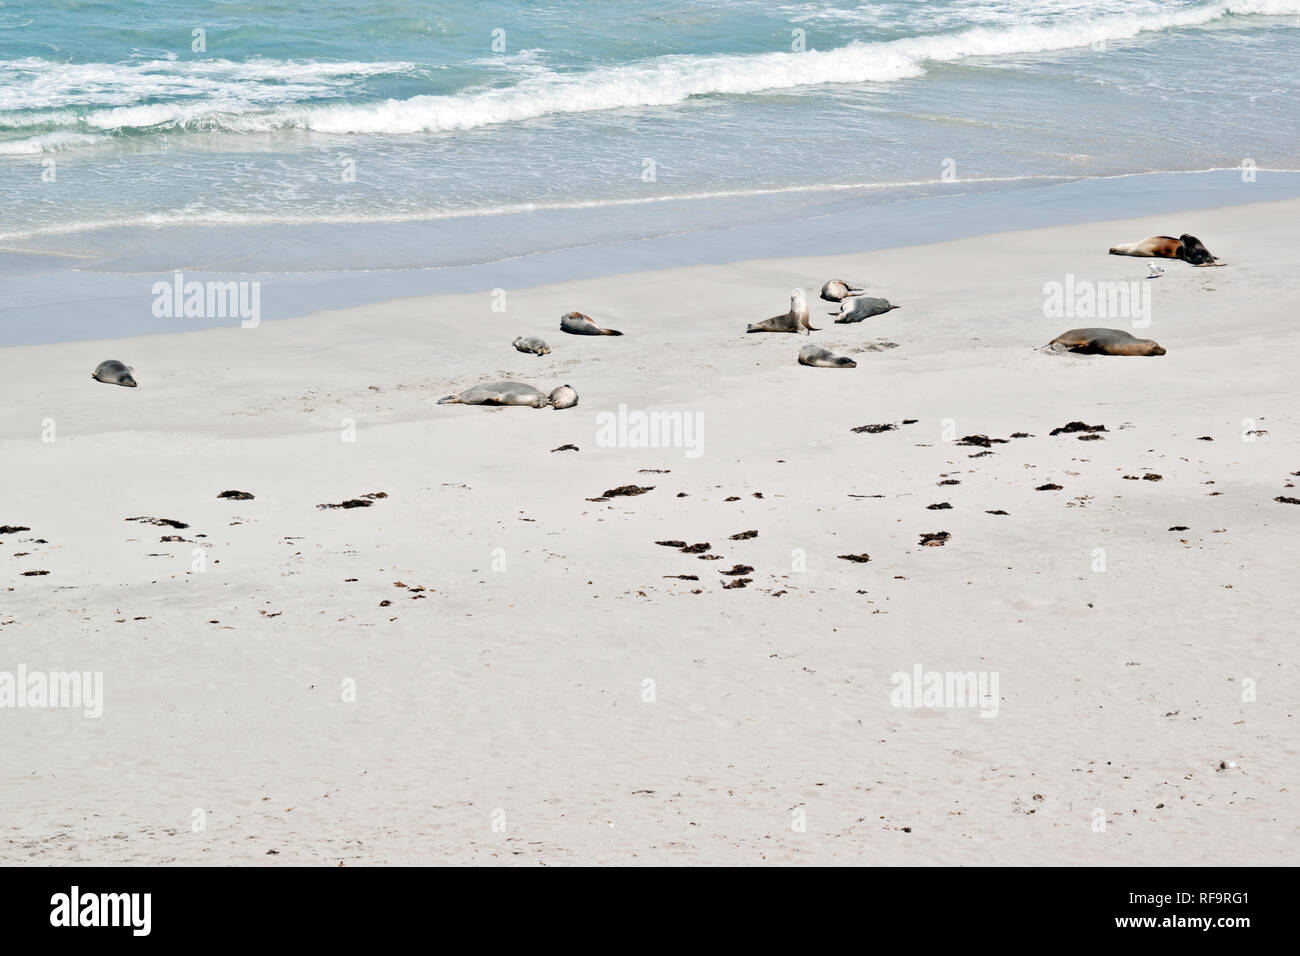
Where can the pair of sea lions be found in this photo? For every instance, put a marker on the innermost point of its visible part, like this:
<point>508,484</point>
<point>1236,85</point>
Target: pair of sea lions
<point>1185,247</point>
<point>1103,342</point>
<point>854,307</point>
<point>855,304</point>
<point>513,393</point>
<point>575,323</point>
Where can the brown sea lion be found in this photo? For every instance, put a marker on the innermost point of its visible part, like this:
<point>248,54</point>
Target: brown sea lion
<point>837,290</point>
<point>1186,247</point>
<point>1103,342</point>
<point>575,323</point>
<point>1159,247</point>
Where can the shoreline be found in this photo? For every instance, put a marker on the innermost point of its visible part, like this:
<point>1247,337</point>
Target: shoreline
<point>48,286</point>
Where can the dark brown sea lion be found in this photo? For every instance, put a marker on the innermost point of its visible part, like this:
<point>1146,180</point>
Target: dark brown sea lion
<point>1186,247</point>
<point>1194,251</point>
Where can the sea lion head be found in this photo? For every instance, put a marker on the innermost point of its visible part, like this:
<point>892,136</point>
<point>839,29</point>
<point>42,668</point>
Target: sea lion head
<point>798,301</point>
<point>1194,250</point>
<point>563,397</point>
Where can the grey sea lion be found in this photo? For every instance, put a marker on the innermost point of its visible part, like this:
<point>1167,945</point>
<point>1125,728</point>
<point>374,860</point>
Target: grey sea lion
<point>575,323</point>
<point>818,357</point>
<point>1103,342</point>
<point>513,393</point>
<point>531,343</point>
<point>113,372</point>
<point>859,307</point>
<point>796,320</point>
<point>837,290</point>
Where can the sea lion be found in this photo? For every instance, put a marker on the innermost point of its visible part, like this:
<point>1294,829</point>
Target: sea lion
<point>818,357</point>
<point>837,290</point>
<point>575,323</point>
<point>513,393</point>
<point>1185,247</point>
<point>532,344</point>
<point>1103,342</point>
<point>113,372</point>
<point>796,320</point>
<point>1159,247</point>
<point>859,307</point>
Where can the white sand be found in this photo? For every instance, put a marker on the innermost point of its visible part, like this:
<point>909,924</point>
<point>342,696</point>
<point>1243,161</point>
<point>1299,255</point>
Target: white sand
<point>521,690</point>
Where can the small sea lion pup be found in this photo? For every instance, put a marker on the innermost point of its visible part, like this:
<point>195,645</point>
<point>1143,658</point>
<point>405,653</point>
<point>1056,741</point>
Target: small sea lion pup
<point>796,320</point>
<point>859,307</point>
<point>1185,247</point>
<point>818,357</point>
<point>513,393</point>
<point>531,343</point>
<point>575,323</point>
<point>113,372</point>
<point>837,290</point>
<point>1103,342</point>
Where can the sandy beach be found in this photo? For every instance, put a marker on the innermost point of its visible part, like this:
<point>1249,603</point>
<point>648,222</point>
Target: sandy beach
<point>487,666</point>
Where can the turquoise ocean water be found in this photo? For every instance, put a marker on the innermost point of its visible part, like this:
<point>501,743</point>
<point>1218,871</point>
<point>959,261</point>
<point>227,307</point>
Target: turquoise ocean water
<point>363,149</point>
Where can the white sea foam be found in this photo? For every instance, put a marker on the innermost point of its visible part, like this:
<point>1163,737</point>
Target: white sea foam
<point>265,95</point>
<point>48,142</point>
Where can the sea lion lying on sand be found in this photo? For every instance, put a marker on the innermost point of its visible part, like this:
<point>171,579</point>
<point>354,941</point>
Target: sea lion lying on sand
<point>837,290</point>
<point>113,372</point>
<point>575,323</point>
<point>1103,342</point>
<point>859,307</point>
<point>531,343</point>
<point>818,357</point>
<point>513,393</point>
<point>1185,247</point>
